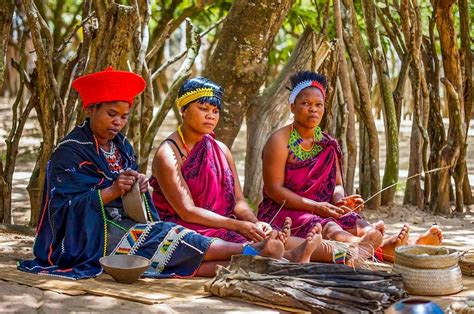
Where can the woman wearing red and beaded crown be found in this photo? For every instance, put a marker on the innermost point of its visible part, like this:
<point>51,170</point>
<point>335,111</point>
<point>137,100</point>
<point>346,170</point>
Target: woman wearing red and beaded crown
<point>302,169</point>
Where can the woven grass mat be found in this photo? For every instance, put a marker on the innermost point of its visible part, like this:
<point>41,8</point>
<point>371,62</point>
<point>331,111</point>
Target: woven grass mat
<point>148,291</point>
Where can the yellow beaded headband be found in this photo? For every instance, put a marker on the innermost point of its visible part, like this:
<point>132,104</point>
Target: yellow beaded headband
<point>194,95</point>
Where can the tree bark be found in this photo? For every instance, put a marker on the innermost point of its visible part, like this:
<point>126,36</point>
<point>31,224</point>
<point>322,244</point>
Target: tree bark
<point>365,106</point>
<point>436,131</point>
<point>351,141</point>
<point>468,83</point>
<point>44,107</point>
<point>390,117</point>
<point>6,15</point>
<point>240,60</point>
<point>193,42</point>
<point>453,153</point>
<point>413,191</point>
<point>270,110</point>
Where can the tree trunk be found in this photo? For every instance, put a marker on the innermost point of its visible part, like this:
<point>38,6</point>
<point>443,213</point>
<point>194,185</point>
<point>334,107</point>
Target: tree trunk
<point>453,153</point>
<point>351,156</point>
<point>413,192</point>
<point>436,132</point>
<point>468,92</point>
<point>193,43</point>
<point>44,107</point>
<point>240,60</point>
<point>6,15</point>
<point>390,117</point>
<point>366,106</point>
<point>270,110</point>
<point>13,141</point>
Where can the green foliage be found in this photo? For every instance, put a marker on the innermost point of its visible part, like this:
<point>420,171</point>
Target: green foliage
<point>303,13</point>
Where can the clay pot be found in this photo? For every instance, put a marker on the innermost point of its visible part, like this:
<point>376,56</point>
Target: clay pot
<point>125,268</point>
<point>415,306</point>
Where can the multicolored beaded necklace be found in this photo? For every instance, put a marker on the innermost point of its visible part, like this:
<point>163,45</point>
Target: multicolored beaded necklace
<point>113,158</point>
<point>298,151</point>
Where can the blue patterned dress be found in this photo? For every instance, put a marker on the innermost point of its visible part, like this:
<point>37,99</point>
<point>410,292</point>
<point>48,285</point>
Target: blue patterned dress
<point>76,229</point>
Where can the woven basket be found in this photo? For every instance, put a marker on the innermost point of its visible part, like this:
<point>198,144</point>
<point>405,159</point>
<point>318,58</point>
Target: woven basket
<point>430,281</point>
<point>466,262</point>
<point>426,256</point>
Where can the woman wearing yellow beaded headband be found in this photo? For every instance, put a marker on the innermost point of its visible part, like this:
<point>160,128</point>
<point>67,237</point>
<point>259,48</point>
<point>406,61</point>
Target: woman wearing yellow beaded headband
<point>302,168</point>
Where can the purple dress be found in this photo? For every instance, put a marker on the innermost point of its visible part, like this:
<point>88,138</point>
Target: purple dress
<point>211,183</point>
<point>315,179</point>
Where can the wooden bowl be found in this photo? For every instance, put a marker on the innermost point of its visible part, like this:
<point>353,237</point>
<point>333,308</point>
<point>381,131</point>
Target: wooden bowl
<point>125,268</point>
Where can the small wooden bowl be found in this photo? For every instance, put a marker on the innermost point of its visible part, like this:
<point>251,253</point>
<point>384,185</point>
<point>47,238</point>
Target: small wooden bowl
<point>125,268</point>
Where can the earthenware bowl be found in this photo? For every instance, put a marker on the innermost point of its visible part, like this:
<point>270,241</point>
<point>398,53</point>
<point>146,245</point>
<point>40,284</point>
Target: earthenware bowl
<point>415,306</point>
<point>125,268</point>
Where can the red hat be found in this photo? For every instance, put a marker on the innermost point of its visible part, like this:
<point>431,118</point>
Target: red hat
<point>107,86</point>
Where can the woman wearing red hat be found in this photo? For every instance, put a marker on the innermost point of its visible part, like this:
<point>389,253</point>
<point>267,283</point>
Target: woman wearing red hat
<point>83,218</point>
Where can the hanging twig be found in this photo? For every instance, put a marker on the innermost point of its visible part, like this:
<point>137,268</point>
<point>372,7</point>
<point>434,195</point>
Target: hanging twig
<point>178,57</point>
<point>165,34</point>
<point>68,38</point>
<point>165,65</point>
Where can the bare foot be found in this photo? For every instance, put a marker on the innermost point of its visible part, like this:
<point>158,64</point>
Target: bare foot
<point>302,253</point>
<point>271,248</point>
<point>380,226</point>
<point>389,244</point>
<point>285,232</point>
<point>433,236</point>
<point>367,246</point>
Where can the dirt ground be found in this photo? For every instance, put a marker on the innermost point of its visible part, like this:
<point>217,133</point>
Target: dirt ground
<point>458,233</point>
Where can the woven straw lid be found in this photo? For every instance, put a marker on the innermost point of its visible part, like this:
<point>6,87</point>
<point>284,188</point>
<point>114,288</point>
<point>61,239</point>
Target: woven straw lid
<point>430,281</point>
<point>426,256</point>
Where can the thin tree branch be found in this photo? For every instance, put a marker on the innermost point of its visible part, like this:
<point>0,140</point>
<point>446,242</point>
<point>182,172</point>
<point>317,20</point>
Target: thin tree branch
<point>68,38</point>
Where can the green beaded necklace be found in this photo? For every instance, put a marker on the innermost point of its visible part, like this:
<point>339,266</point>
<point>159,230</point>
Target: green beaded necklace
<point>300,153</point>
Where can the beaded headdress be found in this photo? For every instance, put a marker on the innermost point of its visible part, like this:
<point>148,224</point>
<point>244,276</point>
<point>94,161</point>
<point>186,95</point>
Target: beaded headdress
<point>199,89</point>
<point>194,95</point>
<point>302,85</point>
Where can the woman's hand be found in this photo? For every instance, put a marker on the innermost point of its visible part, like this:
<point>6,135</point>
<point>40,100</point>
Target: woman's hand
<point>325,209</point>
<point>355,202</point>
<point>265,227</point>
<point>143,182</point>
<point>125,181</point>
<point>251,231</point>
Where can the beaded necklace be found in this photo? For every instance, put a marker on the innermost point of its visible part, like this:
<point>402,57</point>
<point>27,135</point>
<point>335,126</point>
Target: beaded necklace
<point>113,158</point>
<point>298,151</point>
<point>181,137</point>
